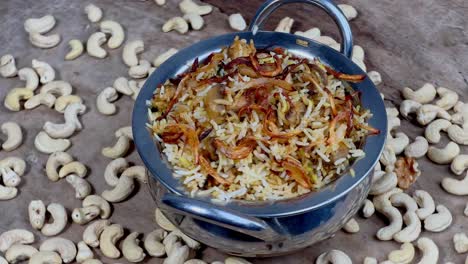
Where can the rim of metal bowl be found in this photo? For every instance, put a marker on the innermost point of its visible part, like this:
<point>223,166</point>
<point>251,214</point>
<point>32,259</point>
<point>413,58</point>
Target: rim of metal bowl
<point>158,166</point>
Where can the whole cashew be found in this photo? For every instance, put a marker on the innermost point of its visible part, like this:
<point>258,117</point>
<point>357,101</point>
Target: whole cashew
<point>164,56</point>
<point>396,222</point>
<point>444,155</point>
<point>121,191</point>
<point>124,131</point>
<point>137,172</point>
<point>423,95</point>
<point>46,99</point>
<point>104,99</point>
<point>153,244</point>
<point>460,241</point>
<point>429,250</point>
<point>349,11</point>
<point>59,88</point>
<point>417,149</point>
<point>456,187</point>
<point>112,169</point>
<point>384,184</point>
<point>398,143</point>
<point>176,23</point>
<point>14,96</point>
<point>121,85</point>
<point>119,149</point>
<point>425,202</point>
<point>82,187</point>
<point>368,209</point>
<point>135,89</point>
<point>432,132</point>
<point>18,252</point>
<point>312,33</point>
<point>412,230</point>
<point>96,200</point>
<point>59,216</point>
<point>428,112</point>
<point>54,161</point>
<point>15,236</point>
<point>64,247</point>
<point>84,252</point>
<point>30,77</point>
<point>93,231</point>
<point>461,114</point>
<point>352,226</point>
<point>108,240</point>
<point>388,157</point>
<point>7,193</point>
<point>41,25</point>
<point>375,77</point>
<point>404,255</point>
<point>63,101</point>
<point>117,33</point>
<point>72,123</point>
<point>8,66</point>
<point>285,25</point>
<point>409,106</point>
<point>93,45</point>
<point>94,13</point>
<point>448,98</point>
<point>76,49</point>
<point>14,136</point>
<point>74,167</point>
<point>139,71</point>
<point>178,255</point>
<point>333,256</point>
<point>37,212</point>
<point>44,42</point>
<point>131,250</point>
<point>191,243</point>
<point>85,215</point>
<point>458,134</point>
<point>163,222</point>
<point>404,200</point>
<point>237,22</point>
<point>459,164</point>
<point>44,70</point>
<point>45,257</point>
<point>10,177</point>
<point>16,164</point>
<point>188,6</point>
<point>195,20</point>
<point>45,144</point>
<point>130,52</point>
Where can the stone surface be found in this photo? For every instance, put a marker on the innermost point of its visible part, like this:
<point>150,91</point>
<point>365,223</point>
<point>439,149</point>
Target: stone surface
<point>409,42</point>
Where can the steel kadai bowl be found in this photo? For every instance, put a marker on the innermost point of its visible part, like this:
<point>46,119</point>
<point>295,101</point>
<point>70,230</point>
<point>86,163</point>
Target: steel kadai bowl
<point>274,227</point>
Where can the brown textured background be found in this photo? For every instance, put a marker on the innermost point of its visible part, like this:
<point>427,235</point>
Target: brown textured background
<point>408,42</point>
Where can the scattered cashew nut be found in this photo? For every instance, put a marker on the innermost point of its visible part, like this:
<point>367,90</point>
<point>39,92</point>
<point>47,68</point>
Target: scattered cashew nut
<point>460,241</point>
<point>458,134</point>
<point>432,132</point>
<point>429,250</point>
<point>82,187</point>
<point>108,239</point>
<point>404,255</point>
<point>349,11</point>
<point>153,244</point>
<point>14,96</point>
<point>104,101</point>
<point>188,6</point>
<point>8,66</point>
<point>15,236</point>
<point>139,71</point>
<point>176,23</point>
<point>423,95</point>
<point>94,13</point>
<point>119,149</point>
<point>72,123</point>
<point>121,85</point>
<point>131,250</point>
<point>409,106</point>
<point>46,99</point>
<point>352,226</point>
<point>93,231</point>
<point>93,45</point>
<point>45,144</point>
<point>459,164</point>
<point>101,203</point>
<point>333,256</point>
<point>428,112</point>
<point>44,70</point>
<point>84,252</point>
<point>14,136</point>
<point>368,209</point>
<point>448,98</point>
<point>425,202</point>
<point>237,22</point>
<point>43,257</point>
<point>163,221</point>
<point>398,143</point>
<point>76,49</point>
<point>285,25</point>
<point>54,161</point>
<point>64,247</point>
<point>121,191</point>
<point>41,25</point>
<point>444,155</point>
<point>418,148</point>
<point>85,215</point>
<point>130,52</point>
<point>117,33</point>
<point>37,212</point>
<point>30,77</point>
<point>44,42</point>
<point>59,216</point>
<point>456,187</point>
<point>18,252</point>
<point>195,20</point>
<point>63,101</point>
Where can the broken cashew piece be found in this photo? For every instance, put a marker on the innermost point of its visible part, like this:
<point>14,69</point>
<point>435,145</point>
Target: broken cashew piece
<point>423,95</point>
<point>104,101</point>
<point>117,33</point>
<point>41,25</point>
<point>349,11</point>
<point>109,237</point>
<point>448,98</point>
<point>458,134</point>
<point>153,244</point>
<point>44,42</point>
<point>82,187</point>
<point>15,236</point>
<point>429,250</point>
<point>444,155</point>
<point>59,216</point>
<point>460,241</point>
<point>237,22</point>
<point>459,164</point>
<point>14,96</point>
<point>114,167</point>
<point>121,85</point>
<point>333,256</point>
<point>101,203</point>
<point>94,13</point>
<point>74,167</point>
<point>425,202</point>
<point>164,56</point>
<point>76,49</point>
<point>139,71</point>
<point>14,136</point>
<point>375,77</point>
<point>44,70</point>
<point>10,178</point>
<point>456,187</point>
<point>285,25</point>
<point>404,255</point>
<point>119,149</point>
<point>54,161</point>
<point>46,99</point>
<point>418,148</point>
<point>30,77</point>
<point>8,66</point>
<point>84,252</point>
<point>368,209</point>
<point>188,6</point>
<point>432,132</point>
<point>94,43</point>
<point>131,250</point>
<point>93,231</point>
<point>64,247</point>
<point>37,212</point>
<point>45,144</point>
<point>130,52</point>
<point>352,226</point>
<point>85,215</point>
<point>195,20</point>
<point>439,221</point>
<point>45,257</point>
<point>176,23</point>
<point>18,252</point>
<point>121,191</point>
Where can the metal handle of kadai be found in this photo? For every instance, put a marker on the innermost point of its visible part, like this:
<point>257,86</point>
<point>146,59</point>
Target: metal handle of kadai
<point>327,5</point>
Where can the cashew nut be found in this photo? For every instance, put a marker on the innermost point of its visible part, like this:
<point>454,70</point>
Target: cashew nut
<point>418,148</point>
<point>195,20</point>
<point>41,25</point>
<point>76,49</point>
<point>45,144</point>
<point>63,101</point>
<point>96,200</point>
<point>94,13</point>
<point>46,99</point>
<point>188,6</point>
<point>37,212</point>
<point>178,255</point>
<point>160,2</point>
<point>237,22</point>
<point>153,244</point>
<point>104,99</point>
<point>59,216</point>
<point>163,221</point>
<point>458,134</point>
<point>139,71</point>
<point>93,231</point>
<point>84,252</point>
<point>404,200</point>
<point>459,164</point>
<point>395,219</point>
<point>131,50</point>
<point>135,89</point>
<point>456,187</point>
<point>119,149</point>
<point>404,255</point>
<point>398,143</point>
<point>444,155</point>
<point>85,215</point>
<point>439,221</point>
<point>137,172</point>
<point>121,191</point>
<point>312,33</point>
<point>7,193</point>
<point>131,250</point>
<point>15,236</point>
<point>412,230</point>
<point>59,88</point>
<point>176,23</point>
<point>425,202</point>
<point>93,45</point>
<point>460,241</point>
<point>333,256</point>
<point>429,250</point>
<point>117,33</point>
<point>82,187</point>
<point>8,66</point>
<point>461,115</point>
<point>448,98</point>
<point>352,226</point>
<point>18,252</point>
<point>14,136</point>
<point>409,106</point>
<point>423,95</point>
<point>56,160</point>
<point>72,123</point>
<point>164,56</point>
<point>121,85</point>
<point>285,25</point>
<point>44,42</point>
<point>124,131</point>
<point>388,157</point>
<point>349,11</point>
<point>112,169</point>
<point>64,247</point>
<point>10,177</point>
<point>44,70</point>
<point>370,260</point>
<point>18,165</point>
<point>15,95</point>
<point>109,237</point>
<point>74,167</point>
<point>30,77</point>
<point>432,132</point>
<point>45,257</point>
<point>368,208</point>
<point>191,243</point>
<point>428,112</point>
<point>384,184</point>
<point>375,77</point>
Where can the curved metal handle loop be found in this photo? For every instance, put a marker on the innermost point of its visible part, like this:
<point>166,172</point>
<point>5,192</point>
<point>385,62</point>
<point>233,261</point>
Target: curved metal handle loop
<point>327,5</point>
<point>229,219</point>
